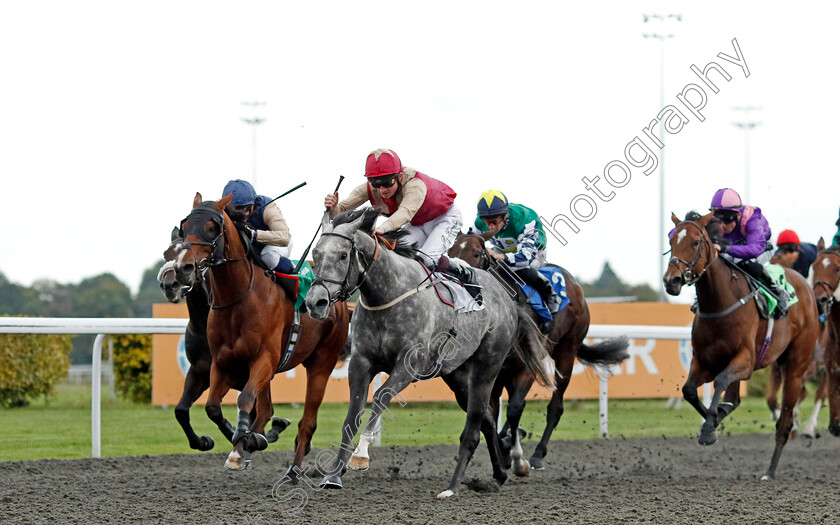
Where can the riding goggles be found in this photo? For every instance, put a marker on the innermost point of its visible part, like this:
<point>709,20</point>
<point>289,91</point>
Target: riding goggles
<point>726,215</point>
<point>385,181</point>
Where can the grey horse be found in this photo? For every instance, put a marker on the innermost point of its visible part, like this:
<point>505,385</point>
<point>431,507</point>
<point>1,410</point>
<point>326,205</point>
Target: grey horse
<point>400,327</point>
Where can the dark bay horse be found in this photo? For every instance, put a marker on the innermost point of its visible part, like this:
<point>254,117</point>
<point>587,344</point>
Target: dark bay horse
<point>728,335</point>
<point>566,333</point>
<point>248,328</point>
<point>401,327</point>
<point>826,274</point>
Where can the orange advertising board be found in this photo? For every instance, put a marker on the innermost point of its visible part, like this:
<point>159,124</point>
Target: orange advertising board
<point>654,369</point>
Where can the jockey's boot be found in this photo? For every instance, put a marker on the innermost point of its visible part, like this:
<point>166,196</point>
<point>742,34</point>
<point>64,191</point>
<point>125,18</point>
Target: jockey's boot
<point>464,273</point>
<point>284,266</point>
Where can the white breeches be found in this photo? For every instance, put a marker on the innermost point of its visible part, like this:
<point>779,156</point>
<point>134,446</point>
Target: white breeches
<point>435,237</point>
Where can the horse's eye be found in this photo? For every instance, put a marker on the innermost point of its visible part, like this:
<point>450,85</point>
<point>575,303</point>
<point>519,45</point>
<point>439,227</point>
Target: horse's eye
<point>697,242</point>
<point>477,254</point>
<point>343,256</point>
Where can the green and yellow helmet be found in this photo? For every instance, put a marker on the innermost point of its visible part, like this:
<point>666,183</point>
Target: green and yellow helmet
<point>492,203</point>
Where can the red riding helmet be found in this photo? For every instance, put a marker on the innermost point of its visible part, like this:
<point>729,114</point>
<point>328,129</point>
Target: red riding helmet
<point>787,237</point>
<point>382,162</point>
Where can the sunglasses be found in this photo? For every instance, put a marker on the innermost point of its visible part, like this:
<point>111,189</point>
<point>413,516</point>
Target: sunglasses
<point>789,249</point>
<point>383,182</point>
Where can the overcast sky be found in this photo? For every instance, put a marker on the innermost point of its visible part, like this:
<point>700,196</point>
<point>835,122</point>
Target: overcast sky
<point>113,114</point>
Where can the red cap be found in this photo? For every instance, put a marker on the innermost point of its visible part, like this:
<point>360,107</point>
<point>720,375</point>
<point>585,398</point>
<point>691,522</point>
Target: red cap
<point>787,237</point>
<point>382,162</point>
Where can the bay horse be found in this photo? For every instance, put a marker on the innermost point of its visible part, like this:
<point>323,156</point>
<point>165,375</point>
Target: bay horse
<point>728,334</point>
<point>403,329</point>
<point>566,332</point>
<point>196,348</point>
<point>826,274</point>
<point>248,327</point>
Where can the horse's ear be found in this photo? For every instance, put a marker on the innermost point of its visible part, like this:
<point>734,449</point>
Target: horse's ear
<point>675,219</point>
<point>326,223</point>
<point>704,220</point>
<point>368,219</point>
<point>197,199</point>
<point>221,203</point>
<point>176,233</point>
<point>821,244</point>
<point>487,235</point>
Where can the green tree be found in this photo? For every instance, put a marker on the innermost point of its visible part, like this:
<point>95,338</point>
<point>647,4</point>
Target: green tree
<point>102,296</point>
<point>17,300</point>
<point>610,285</point>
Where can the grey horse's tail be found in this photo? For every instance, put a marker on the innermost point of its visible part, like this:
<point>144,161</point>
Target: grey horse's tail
<point>609,352</point>
<point>531,348</point>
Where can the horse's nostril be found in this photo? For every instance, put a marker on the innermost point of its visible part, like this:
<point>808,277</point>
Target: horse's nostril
<point>321,303</point>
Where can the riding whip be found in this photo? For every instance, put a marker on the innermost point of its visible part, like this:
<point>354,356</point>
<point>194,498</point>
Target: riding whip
<point>302,184</point>
<point>326,214</point>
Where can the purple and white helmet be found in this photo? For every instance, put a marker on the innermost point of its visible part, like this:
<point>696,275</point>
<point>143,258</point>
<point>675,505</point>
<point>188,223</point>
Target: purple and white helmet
<point>726,199</point>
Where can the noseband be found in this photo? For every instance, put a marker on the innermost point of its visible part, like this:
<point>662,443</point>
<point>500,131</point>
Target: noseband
<point>689,274</point>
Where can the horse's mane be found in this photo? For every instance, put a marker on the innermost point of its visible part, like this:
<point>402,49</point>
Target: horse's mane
<point>369,216</point>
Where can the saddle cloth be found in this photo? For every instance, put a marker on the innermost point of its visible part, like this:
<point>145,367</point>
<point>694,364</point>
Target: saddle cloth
<point>558,282</point>
<point>296,285</point>
<point>767,302</point>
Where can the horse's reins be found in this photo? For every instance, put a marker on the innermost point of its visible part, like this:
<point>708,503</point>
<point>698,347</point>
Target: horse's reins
<point>343,293</point>
<point>217,256</point>
<point>691,278</point>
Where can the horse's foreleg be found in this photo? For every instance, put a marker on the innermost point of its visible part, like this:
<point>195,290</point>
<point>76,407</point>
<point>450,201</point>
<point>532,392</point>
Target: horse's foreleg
<point>360,374</point>
<point>316,383</point>
<point>731,400</point>
<point>739,368</point>
<point>397,381</point>
<point>195,384</point>
<point>218,388</point>
<point>245,440</point>
<point>790,399</point>
<point>696,377</point>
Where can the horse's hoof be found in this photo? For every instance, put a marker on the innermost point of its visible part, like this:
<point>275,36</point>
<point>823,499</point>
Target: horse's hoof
<point>507,461</point>
<point>708,438</point>
<point>500,480</point>
<point>358,463</point>
<point>767,477</point>
<point>446,494</point>
<point>521,467</point>
<point>331,482</point>
<point>522,433</point>
<point>537,463</point>
<point>237,462</point>
<point>205,443</point>
<point>291,477</point>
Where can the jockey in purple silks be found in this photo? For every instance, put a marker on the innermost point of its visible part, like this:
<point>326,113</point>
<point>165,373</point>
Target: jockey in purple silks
<point>745,239</point>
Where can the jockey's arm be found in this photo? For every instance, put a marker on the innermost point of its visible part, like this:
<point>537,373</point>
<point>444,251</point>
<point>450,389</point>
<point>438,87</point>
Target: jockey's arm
<point>279,234</point>
<point>755,243</point>
<point>526,248</point>
<point>356,198</point>
<point>413,196</point>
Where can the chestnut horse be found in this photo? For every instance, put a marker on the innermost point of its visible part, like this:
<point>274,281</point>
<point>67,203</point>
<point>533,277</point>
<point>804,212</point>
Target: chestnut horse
<point>566,333</point>
<point>815,370</point>
<point>197,378</point>
<point>826,273</point>
<point>248,328</point>
<point>728,335</point>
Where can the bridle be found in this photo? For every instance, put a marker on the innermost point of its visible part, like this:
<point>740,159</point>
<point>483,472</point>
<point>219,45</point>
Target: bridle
<point>829,302</point>
<point>346,290</point>
<point>200,215</point>
<point>484,261</point>
<point>689,274</point>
